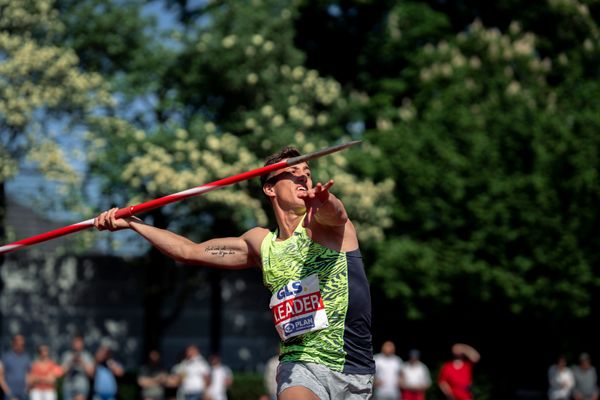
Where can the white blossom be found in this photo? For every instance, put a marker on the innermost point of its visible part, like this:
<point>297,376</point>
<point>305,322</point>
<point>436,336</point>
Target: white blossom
<point>229,41</point>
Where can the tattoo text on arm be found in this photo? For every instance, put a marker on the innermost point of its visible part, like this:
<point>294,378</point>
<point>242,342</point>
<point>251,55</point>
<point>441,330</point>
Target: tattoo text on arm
<point>220,251</point>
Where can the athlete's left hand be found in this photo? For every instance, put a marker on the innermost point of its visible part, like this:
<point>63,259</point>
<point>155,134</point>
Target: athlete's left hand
<point>314,199</point>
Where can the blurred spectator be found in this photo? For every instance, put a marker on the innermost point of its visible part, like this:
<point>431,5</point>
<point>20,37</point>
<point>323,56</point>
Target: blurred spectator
<point>221,379</point>
<point>456,376</point>
<point>414,377</point>
<point>174,380</point>
<point>43,375</point>
<point>560,380</point>
<point>171,387</point>
<point>152,377</point>
<point>194,375</point>
<point>3,385</point>
<point>270,376</point>
<point>78,369</point>
<point>16,367</point>
<point>387,372</point>
<point>586,379</point>
<point>106,372</point>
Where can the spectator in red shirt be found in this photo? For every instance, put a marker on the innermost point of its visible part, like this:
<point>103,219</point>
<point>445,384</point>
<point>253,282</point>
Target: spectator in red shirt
<point>43,375</point>
<point>456,376</point>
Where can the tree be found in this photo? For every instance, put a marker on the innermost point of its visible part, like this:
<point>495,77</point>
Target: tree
<point>42,93</point>
<point>494,173</point>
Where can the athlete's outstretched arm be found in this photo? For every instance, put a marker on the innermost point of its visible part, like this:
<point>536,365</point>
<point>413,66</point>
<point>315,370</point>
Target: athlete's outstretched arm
<point>230,253</point>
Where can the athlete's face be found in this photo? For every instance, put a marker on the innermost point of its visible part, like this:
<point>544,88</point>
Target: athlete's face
<point>288,182</point>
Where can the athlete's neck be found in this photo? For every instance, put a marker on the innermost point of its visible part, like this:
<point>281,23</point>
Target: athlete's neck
<point>287,223</point>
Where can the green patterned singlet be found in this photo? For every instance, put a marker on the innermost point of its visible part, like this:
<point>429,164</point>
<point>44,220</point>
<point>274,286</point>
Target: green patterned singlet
<point>320,303</point>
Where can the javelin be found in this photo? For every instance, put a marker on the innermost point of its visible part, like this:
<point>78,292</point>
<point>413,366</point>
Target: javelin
<point>171,198</point>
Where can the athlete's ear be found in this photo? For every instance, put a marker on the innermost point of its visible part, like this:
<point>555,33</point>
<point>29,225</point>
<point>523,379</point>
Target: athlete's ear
<point>268,189</point>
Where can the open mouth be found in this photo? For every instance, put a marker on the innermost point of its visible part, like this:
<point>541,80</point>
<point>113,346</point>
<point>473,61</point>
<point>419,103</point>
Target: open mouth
<point>301,189</point>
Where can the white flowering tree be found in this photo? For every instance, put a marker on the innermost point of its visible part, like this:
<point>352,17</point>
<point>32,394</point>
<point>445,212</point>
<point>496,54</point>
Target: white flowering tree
<point>43,93</point>
<point>46,100</point>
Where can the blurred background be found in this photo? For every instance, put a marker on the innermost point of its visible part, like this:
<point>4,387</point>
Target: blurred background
<point>475,190</point>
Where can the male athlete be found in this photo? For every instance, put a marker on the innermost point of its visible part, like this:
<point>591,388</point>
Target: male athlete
<point>313,267</point>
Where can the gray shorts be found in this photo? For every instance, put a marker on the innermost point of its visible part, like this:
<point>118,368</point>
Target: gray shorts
<point>323,382</point>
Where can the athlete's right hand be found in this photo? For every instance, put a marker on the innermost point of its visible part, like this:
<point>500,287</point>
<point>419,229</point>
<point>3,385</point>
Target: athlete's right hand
<point>107,221</point>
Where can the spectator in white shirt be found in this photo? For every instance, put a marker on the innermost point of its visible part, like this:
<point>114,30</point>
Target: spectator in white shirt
<point>221,379</point>
<point>387,374</point>
<point>560,380</point>
<point>415,378</point>
<point>193,374</point>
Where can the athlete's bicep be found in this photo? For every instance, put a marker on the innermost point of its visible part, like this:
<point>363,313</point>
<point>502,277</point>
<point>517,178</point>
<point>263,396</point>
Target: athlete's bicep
<point>230,253</point>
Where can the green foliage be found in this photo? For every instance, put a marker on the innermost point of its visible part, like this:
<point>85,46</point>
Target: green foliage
<point>117,40</point>
<point>246,386</point>
<point>406,27</point>
<point>495,179</point>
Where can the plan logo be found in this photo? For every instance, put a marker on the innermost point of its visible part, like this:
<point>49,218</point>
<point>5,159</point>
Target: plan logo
<point>298,325</point>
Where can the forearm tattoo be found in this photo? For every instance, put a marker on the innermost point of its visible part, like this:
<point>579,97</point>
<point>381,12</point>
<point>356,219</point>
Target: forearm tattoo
<point>220,251</point>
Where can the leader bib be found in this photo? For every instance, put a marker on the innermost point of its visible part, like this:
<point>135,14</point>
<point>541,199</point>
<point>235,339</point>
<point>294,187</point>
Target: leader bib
<point>298,308</point>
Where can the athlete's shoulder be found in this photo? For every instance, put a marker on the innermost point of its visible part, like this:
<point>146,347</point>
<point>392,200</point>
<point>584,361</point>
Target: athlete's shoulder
<point>258,231</point>
<point>255,236</point>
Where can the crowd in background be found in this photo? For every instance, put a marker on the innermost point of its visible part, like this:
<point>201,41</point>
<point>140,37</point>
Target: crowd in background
<point>396,379</point>
<point>85,376</point>
<point>95,377</point>
<point>579,382</point>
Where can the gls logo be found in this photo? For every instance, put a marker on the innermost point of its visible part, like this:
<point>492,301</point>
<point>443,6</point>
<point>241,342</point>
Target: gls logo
<point>296,287</point>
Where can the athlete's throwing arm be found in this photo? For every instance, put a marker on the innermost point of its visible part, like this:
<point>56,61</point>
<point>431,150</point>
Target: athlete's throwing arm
<point>231,252</point>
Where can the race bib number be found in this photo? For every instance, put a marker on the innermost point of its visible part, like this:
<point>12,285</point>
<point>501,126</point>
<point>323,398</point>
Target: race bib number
<point>298,308</point>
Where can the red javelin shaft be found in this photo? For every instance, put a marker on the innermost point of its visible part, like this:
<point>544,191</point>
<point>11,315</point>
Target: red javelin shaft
<point>161,201</point>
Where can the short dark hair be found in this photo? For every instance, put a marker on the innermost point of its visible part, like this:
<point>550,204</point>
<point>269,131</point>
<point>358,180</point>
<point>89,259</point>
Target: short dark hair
<point>286,152</point>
